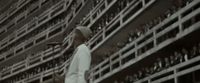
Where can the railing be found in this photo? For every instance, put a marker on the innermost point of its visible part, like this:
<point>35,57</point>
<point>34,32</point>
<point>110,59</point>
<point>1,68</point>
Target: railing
<point>31,9</point>
<point>21,31</point>
<point>20,17</point>
<point>173,69</point>
<point>114,23</point>
<point>21,48</point>
<point>108,64</point>
<point>47,19</point>
<point>13,12</point>
<point>37,25</point>
<point>19,66</point>
<point>105,65</point>
<point>29,62</point>
<point>6,72</point>
<point>93,11</point>
<point>46,55</point>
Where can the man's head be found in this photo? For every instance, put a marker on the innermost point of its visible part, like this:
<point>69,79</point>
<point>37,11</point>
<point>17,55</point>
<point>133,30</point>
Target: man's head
<point>81,34</point>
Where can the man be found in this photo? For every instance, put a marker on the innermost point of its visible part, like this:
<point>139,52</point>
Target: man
<point>172,60</point>
<point>140,74</point>
<point>147,71</point>
<point>160,64</point>
<point>155,67</point>
<point>185,54</point>
<point>178,57</point>
<point>81,61</point>
<point>135,77</point>
<point>167,63</point>
<point>193,52</point>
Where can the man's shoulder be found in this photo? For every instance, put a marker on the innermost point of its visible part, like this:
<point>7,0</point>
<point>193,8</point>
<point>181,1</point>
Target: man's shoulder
<point>83,46</point>
<point>83,49</point>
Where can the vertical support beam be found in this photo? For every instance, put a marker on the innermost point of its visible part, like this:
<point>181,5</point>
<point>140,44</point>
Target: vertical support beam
<point>175,76</point>
<point>100,69</point>
<point>154,38</point>
<point>106,3</point>
<point>121,18</point>
<point>149,80</point>
<point>143,2</point>
<point>180,23</point>
<point>26,62</point>
<point>104,33</point>
<point>40,3</point>
<point>135,54</point>
<point>120,58</point>
<point>91,77</point>
<point>25,14</point>
<point>41,81</point>
<point>136,49</point>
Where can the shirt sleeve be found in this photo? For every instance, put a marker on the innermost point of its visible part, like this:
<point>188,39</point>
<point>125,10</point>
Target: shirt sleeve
<point>84,62</point>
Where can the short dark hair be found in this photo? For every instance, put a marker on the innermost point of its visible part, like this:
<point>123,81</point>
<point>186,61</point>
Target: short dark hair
<point>80,35</point>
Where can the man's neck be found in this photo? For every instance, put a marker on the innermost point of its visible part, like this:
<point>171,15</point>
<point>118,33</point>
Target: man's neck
<point>77,44</point>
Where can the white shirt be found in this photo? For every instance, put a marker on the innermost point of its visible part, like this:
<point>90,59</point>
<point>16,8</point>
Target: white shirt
<point>80,63</point>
